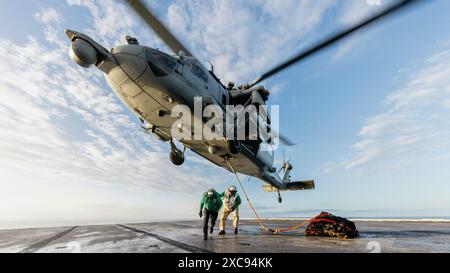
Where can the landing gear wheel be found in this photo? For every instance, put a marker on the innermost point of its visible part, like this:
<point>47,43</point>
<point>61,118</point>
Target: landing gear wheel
<point>176,155</point>
<point>176,158</point>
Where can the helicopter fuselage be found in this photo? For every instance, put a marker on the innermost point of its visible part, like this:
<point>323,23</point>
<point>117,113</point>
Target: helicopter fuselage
<point>151,83</point>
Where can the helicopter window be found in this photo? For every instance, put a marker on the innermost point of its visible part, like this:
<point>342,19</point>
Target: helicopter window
<point>160,64</point>
<point>197,70</point>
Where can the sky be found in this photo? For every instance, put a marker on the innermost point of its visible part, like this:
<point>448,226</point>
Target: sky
<point>371,116</point>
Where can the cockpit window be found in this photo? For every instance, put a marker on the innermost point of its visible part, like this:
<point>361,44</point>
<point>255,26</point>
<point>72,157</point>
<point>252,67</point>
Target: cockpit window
<point>160,64</point>
<point>197,70</point>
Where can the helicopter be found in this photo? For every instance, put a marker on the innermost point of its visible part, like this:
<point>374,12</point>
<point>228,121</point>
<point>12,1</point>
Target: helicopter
<point>151,83</point>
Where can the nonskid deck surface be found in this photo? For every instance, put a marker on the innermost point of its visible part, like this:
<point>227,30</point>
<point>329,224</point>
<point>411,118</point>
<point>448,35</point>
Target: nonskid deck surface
<point>185,236</point>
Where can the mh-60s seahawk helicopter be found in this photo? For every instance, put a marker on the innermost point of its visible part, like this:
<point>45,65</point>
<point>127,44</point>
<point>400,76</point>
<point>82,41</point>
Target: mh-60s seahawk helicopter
<point>151,83</point>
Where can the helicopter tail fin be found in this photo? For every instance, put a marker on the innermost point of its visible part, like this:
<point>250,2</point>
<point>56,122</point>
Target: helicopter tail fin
<point>291,186</point>
<point>300,185</point>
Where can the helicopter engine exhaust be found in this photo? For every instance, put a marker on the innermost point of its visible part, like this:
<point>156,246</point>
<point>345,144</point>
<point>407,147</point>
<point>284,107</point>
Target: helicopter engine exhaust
<point>83,53</point>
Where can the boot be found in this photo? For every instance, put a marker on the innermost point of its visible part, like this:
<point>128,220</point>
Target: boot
<point>235,231</point>
<point>205,237</point>
<point>211,229</point>
<point>222,232</point>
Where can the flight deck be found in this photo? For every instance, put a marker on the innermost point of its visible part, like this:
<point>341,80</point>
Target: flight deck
<point>186,236</point>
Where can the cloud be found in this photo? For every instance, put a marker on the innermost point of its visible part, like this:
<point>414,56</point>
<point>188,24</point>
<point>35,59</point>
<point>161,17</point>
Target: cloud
<point>242,39</point>
<point>413,129</point>
<point>49,15</point>
<point>373,2</point>
<point>353,12</point>
<point>345,48</point>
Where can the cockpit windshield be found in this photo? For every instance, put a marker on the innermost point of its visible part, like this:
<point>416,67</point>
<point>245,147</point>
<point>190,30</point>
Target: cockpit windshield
<point>160,63</point>
<point>196,69</point>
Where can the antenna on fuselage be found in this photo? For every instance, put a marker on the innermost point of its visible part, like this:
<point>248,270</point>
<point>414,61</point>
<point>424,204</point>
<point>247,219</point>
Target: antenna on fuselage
<point>212,66</point>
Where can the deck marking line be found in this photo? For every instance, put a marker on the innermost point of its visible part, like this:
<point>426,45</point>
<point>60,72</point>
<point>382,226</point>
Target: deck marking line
<point>178,244</point>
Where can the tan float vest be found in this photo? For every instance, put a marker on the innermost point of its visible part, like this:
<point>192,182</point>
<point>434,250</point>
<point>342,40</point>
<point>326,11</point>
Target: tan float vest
<point>229,200</point>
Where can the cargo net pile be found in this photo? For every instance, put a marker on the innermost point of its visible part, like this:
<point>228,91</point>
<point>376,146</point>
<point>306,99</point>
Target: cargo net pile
<point>329,225</point>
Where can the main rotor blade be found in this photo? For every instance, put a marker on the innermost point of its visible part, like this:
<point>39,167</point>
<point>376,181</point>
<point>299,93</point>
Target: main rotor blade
<point>334,38</point>
<point>158,27</point>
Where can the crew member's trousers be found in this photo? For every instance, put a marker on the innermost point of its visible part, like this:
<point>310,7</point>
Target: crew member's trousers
<point>209,214</point>
<point>224,217</point>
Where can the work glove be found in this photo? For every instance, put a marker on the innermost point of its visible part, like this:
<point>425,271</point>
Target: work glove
<point>200,214</point>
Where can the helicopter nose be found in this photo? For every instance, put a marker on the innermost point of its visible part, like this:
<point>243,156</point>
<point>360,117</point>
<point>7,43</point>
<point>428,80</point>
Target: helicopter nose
<point>131,58</point>
<point>127,78</point>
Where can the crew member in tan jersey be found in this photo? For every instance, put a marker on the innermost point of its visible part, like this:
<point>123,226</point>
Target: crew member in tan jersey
<point>231,201</point>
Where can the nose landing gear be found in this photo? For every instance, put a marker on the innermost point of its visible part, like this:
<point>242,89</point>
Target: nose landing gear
<point>176,155</point>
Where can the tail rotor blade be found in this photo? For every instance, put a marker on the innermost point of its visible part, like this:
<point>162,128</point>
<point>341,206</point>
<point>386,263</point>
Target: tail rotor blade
<point>286,141</point>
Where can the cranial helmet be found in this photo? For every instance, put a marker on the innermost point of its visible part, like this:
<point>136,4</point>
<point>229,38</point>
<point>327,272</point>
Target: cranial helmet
<point>210,192</point>
<point>232,189</point>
